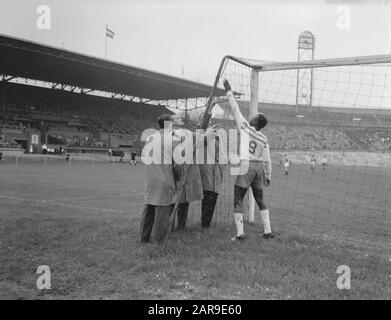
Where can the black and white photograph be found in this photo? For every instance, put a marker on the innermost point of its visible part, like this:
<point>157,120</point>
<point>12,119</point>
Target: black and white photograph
<point>210,151</point>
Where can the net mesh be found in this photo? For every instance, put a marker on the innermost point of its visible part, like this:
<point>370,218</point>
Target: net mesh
<point>342,117</point>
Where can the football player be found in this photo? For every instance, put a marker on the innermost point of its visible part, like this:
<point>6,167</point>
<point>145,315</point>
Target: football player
<point>255,158</point>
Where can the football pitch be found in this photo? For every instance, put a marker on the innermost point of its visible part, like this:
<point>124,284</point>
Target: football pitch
<point>82,220</point>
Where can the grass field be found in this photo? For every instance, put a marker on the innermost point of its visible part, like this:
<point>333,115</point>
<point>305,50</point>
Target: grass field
<point>83,222</point>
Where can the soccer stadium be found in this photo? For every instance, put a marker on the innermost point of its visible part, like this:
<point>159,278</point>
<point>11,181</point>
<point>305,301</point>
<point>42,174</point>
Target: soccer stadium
<point>72,133</point>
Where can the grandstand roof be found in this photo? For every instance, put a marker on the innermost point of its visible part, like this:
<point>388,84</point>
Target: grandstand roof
<point>26,59</point>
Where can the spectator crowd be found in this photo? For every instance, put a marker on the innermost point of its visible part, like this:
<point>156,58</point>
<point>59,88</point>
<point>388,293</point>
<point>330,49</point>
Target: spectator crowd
<point>98,121</point>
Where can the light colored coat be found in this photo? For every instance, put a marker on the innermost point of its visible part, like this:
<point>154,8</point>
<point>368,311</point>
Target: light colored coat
<point>160,187</point>
<point>212,174</point>
<point>192,190</point>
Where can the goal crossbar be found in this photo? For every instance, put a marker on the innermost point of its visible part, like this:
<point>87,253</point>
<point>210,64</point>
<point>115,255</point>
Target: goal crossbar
<point>319,63</point>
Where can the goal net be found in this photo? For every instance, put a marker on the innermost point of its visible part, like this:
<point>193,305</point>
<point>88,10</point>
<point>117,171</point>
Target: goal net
<point>337,111</point>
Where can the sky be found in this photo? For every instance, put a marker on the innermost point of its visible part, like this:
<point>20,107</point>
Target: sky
<point>163,35</point>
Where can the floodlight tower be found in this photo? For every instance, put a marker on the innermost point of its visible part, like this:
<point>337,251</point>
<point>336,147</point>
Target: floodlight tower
<point>304,81</point>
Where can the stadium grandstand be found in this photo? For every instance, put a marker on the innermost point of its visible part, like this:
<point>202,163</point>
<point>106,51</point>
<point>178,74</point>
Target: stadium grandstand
<point>323,128</point>
<point>60,99</point>
<point>69,102</point>
<point>328,128</point>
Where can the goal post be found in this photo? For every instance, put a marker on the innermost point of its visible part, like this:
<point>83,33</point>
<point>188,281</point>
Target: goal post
<point>254,90</point>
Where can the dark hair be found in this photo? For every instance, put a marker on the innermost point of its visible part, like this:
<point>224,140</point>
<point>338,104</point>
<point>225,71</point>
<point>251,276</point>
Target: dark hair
<point>259,121</point>
<point>162,118</point>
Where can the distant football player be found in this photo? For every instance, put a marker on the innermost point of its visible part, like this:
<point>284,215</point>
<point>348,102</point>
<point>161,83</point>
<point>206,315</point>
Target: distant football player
<point>286,166</point>
<point>313,162</point>
<point>133,161</point>
<point>257,156</point>
<point>324,162</point>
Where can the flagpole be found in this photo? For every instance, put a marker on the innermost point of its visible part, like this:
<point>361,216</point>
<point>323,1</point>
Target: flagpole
<point>106,42</point>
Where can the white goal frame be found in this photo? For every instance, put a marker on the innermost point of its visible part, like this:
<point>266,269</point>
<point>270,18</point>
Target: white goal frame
<point>281,66</point>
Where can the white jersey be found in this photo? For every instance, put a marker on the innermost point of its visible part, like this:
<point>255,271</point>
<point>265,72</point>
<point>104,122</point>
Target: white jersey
<point>257,148</point>
<point>257,144</point>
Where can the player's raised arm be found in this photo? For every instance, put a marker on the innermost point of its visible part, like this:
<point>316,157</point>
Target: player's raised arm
<point>239,119</point>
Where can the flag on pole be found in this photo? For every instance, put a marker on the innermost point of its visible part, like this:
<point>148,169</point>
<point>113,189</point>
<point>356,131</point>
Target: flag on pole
<point>109,33</point>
